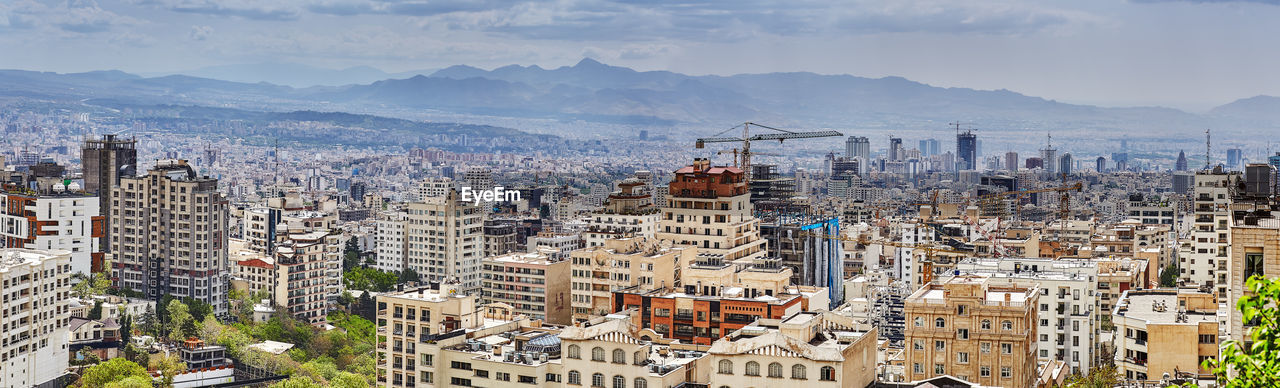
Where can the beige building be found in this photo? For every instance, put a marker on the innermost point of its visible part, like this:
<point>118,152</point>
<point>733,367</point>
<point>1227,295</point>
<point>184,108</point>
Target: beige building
<point>628,212</point>
<point>440,238</point>
<point>973,330</point>
<point>1164,330</point>
<point>425,315</point>
<point>710,208</point>
<point>622,263</point>
<point>616,354</point>
<point>811,349</point>
<point>533,284</point>
<point>35,316</point>
<point>1255,250</point>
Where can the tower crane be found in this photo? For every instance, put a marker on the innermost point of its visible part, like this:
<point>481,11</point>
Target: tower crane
<point>744,161</point>
<point>926,265</point>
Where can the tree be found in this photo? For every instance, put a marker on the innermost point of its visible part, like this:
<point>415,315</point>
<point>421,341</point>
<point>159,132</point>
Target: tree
<point>408,275</point>
<point>349,380</point>
<point>112,370</point>
<point>351,255</point>
<point>132,382</point>
<point>1255,363</point>
<point>96,284</point>
<point>148,322</point>
<point>198,309</point>
<point>126,328</point>
<point>346,299</point>
<point>1169,276</point>
<point>95,312</point>
<point>168,367</point>
<point>1098,377</point>
<point>178,319</point>
<point>138,355</point>
<point>297,382</point>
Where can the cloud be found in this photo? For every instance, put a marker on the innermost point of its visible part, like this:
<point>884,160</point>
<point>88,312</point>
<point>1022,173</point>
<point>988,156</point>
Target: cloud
<point>244,9</point>
<point>73,16</point>
<point>201,32</point>
<point>1266,2</point>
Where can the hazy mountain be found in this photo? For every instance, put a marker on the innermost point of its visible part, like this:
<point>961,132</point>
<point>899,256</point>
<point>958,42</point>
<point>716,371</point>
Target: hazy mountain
<point>296,75</point>
<point>1256,108</point>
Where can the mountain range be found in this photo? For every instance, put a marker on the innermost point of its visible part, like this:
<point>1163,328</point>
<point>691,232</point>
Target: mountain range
<point>590,91</point>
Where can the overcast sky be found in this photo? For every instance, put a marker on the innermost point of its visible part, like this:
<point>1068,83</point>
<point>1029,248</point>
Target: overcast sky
<point>1185,54</point>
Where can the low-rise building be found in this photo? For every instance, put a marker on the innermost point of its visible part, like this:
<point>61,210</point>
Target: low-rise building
<point>1164,331</point>
<point>599,271</point>
<point>533,284</point>
<point>813,349</point>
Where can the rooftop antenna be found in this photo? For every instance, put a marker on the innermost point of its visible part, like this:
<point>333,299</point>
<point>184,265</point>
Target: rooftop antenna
<point>1206,149</point>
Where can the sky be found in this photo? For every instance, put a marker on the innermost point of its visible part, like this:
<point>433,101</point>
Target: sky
<point>1187,54</point>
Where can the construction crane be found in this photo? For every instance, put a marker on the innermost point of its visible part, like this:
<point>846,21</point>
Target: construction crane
<point>991,199</point>
<point>926,265</point>
<point>744,161</point>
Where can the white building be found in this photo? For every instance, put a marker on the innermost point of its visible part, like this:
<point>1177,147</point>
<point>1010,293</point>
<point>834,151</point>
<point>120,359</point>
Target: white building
<point>34,315</point>
<point>66,221</point>
<point>390,240</point>
<point>433,187</point>
<point>1206,265</point>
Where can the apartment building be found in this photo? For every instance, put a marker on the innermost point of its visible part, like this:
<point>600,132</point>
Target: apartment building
<point>440,238</point>
<point>1205,265</point>
<point>433,187</point>
<point>710,208</point>
<point>533,284</point>
<point>103,163</point>
<point>66,220</point>
<point>813,349</point>
<point>1067,314</point>
<point>622,263</point>
<point>975,330</point>
<point>1255,250</point>
<point>1115,276</point>
<point>391,245</point>
<point>1163,331</point>
<point>628,212</point>
<point>557,245</point>
<point>617,353</point>
<point>500,238</point>
<point>169,235</point>
<point>427,315</point>
<point>34,316</point>
<point>302,275</point>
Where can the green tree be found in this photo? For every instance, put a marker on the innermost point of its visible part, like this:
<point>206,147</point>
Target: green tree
<point>197,308</point>
<point>132,382</point>
<point>350,380</point>
<point>168,367</point>
<point>112,370</point>
<point>1169,276</point>
<point>137,355</point>
<point>1256,362</point>
<point>178,318</point>
<point>95,312</point>
<point>297,381</point>
<point>1098,377</point>
<point>148,322</point>
<point>126,328</point>
<point>351,255</point>
<point>96,284</point>
<point>408,275</point>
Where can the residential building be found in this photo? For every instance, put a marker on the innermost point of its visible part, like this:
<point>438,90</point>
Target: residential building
<point>628,212</point>
<point>710,208</point>
<point>169,235</point>
<point>1205,265</point>
<point>421,316</point>
<point>975,330</point>
<point>1164,331</point>
<point>34,317</point>
<point>813,349</point>
<point>391,244</point>
<point>623,263</point>
<point>440,238</point>
<point>104,162</point>
<point>1255,250</point>
<point>533,284</point>
<point>63,220</point>
<point>617,353</point>
<point>500,238</point>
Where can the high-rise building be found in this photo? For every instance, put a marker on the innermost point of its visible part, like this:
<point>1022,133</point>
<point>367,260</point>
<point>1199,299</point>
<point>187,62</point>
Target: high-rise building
<point>307,274</point>
<point>434,187</point>
<point>1100,165</point>
<point>710,208</point>
<point>929,147</point>
<point>478,179</point>
<point>65,220</point>
<point>1050,157</point>
<point>169,235</point>
<point>413,319</point>
<point>628,212</point>
<point>1181,164</point>
<point>1205,264</point>
<point>533,284</point>
<point>857,147</point>
<point>1065,163</point>
<point>966,151</point>
<point>973,328</point>
<point>1011,161</point>
<point>1034,163</point>
<point>1234,157</point>
<point>104,162</point>
<point>34,316</point>
<point>455,232</point>
<point>1255,247</point>
<point>895,148</point>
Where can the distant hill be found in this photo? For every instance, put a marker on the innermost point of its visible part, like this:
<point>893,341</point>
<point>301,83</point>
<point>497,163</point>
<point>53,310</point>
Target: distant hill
<point>1256,108</point>
<point>296,75</point>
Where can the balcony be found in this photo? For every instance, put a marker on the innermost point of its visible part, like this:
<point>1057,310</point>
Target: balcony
<point>684,317</point>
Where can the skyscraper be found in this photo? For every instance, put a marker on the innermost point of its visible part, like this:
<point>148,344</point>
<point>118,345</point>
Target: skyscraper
<point>1050,156</point>
<point>929,147</point>
<point>169,232</point>
<point>1101,164</point>
<point>857,147</point>
<point>104,162</point>
<point>1011,161</point>
<point>1181,164</point>
<point>1234,157</point>
<point>895,148</point>
<point>1065,163</point>
<point>966,150</point>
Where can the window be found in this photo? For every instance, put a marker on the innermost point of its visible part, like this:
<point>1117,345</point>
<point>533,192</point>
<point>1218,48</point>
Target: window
<point>753,368</point>
<point>597,354</point>
<point>619,356</point>
<point>940,323</point>
<point>575,378</point>
<point>827,374</point>
<point>962,310</point>
<point>986,324</point>
<point>986,347</point>
<point>984,371</point>
<point>640,383</point>
<point>1006,325</point>
<point>962,357</point>
<point>775,370</point>
<point>726,367</point>
<point>917,344</point>
<point>919,321</point>
<point>597,379</point>
<point>1006,372</point>
<point>639,357</point>
<point>940,345</point>
<point>1252,264</point>
<point>939,369</point>
<point>917,368</point>
<point>1006,348</point>
<point>574,351</point>
<point>799,372</point>
<point>962,334</point>
<point>619,382</point>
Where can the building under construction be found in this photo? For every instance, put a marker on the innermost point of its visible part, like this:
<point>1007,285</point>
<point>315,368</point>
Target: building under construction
<point>807,245</point>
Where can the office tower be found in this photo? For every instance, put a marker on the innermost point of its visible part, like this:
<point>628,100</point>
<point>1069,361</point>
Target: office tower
<point>1065,163</point>
<point>1100,164</point>
<point>34,316</point>
<point>1034,163</point>
<point>929,147</point>
<point>534,284</point>
<point>169,235</point>
<point>104,162</point>
<point>857,147</point>
<point>57,220</point>
<point>455,231</point>
<point>628,212</point>
<point>1181,164</point>
<point>1121,159</point>
<point>966,151</point>
<point>1011,161</point>
<point>895,148</point>
<point>1174,330</point>
<point>1049,155</point>
<point>710,208</point>
<point>644,134</point>
<point>1234,157</point>
<point>978,329</point>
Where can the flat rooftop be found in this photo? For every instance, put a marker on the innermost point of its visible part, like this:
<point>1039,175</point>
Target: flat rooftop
<point>1147,307</point>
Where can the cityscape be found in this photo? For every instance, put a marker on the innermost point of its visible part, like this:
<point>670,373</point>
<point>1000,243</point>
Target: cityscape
<point>611,194</point>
